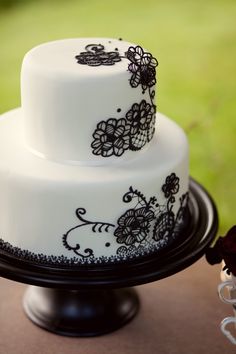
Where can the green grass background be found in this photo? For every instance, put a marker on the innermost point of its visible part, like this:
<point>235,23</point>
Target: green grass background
<point>195,43</point>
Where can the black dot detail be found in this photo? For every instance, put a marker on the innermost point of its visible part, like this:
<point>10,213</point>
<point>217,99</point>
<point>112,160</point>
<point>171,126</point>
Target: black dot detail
<point>120,39</point>
<point>116,49</point>
<point>109,41</point>
<point>119,110</point>
<point>108,244</point>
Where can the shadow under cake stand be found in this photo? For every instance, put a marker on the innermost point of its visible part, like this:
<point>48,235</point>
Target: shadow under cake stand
<point>94,300</point>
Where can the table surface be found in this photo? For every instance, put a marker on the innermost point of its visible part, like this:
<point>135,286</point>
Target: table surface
<point>180,314</point>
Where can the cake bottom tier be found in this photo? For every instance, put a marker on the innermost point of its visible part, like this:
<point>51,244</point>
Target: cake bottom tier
<point>58,212</point>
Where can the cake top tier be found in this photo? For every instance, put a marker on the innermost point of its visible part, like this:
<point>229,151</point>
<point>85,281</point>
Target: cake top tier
<point>88,99</point>
<point>95,55</point>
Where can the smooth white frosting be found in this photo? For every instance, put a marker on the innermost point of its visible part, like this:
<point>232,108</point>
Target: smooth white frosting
<point>39,197</point>
<point>63,101</point>
<point>48,169</point>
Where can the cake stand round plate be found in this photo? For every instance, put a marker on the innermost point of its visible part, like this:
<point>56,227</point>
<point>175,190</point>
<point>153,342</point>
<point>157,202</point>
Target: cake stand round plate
<point>93,300</point>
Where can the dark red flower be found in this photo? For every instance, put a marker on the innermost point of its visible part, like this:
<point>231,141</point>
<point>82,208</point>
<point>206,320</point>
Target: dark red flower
<point>224,249</point>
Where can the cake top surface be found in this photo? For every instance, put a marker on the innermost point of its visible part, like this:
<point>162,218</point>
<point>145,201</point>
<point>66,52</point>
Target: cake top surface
<point>81,56</point>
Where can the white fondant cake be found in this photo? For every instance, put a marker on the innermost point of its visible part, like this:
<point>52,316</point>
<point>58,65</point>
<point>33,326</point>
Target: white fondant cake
<point>84,175</point>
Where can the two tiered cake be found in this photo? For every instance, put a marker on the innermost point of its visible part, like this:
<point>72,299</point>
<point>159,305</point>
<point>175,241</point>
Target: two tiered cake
<point>89,172</point>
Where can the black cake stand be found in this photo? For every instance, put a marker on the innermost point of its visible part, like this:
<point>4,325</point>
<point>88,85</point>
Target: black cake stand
<point>94,300</point>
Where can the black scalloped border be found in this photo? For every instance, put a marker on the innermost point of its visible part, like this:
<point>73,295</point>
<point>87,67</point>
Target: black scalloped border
<point>52,260</point>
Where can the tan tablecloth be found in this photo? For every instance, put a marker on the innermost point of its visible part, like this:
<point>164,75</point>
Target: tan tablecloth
<point>179,315</point>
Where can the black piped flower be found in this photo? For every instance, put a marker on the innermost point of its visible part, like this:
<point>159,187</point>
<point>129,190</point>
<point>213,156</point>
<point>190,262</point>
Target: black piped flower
<point>96,56</point>
<point>171,185</point>
<point>134,226</point>
<point>111,137</point>
<point>140,116</point>
<point>143,67</point>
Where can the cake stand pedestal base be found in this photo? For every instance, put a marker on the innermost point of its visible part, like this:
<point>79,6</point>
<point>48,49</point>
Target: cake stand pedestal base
<point>80,312</point>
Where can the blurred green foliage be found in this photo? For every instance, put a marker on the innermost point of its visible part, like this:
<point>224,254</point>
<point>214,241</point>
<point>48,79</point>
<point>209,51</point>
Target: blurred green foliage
<point>194,42</point>
<point>7,4</point>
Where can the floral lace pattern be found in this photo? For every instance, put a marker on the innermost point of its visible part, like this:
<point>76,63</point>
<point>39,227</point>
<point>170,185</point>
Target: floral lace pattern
<point>171,186</point>
<point>140,230</point>
<point>115,136</point>
<point>145,229</point>
<point>140,116</point>
<point>96,56</point>
<point>111,137</point>
<point>136,128</point>
<point>134,226</point>
<point>142,66</point>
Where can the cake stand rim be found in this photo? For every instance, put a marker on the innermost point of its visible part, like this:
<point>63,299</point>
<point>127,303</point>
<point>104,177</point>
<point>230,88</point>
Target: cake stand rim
<point>142,272</point>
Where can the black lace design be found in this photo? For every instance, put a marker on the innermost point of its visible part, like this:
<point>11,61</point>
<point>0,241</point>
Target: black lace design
<point>142,229</point>
<point>143,68</point>
<point>171,185</point>
<point>59,261</point>
<point>115,136</point>
<point>95,226</point>
<point>111,137</point>
<point>165,223</point>
<point>136,128</point>
<point>142,118</point>
<point>96,56</point>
